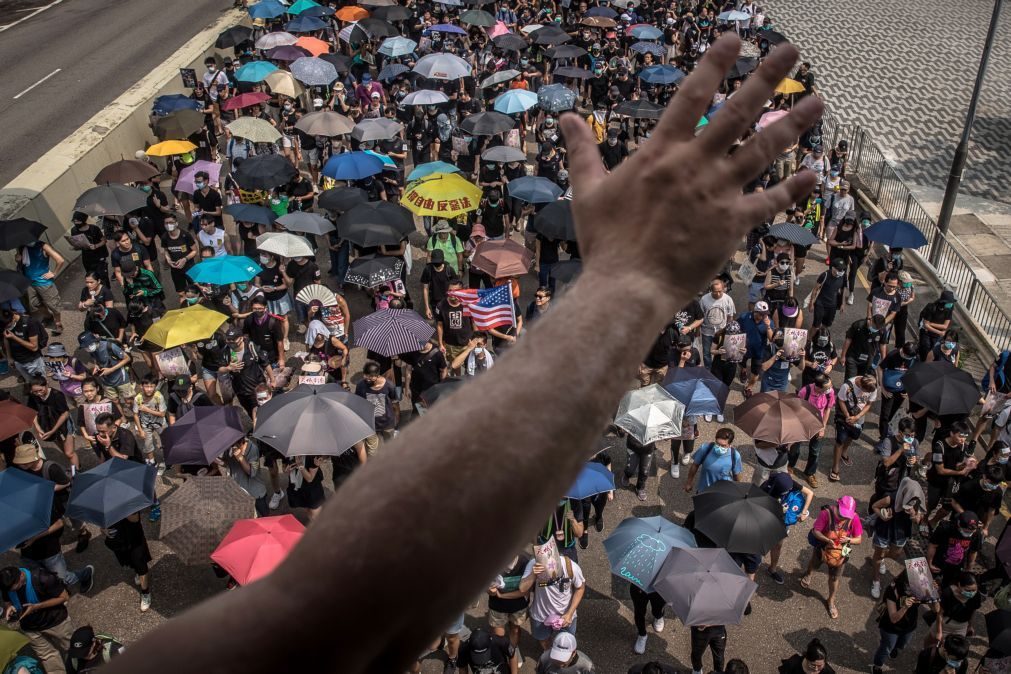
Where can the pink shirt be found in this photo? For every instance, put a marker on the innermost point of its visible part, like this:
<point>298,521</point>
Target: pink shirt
<point>822,524</point>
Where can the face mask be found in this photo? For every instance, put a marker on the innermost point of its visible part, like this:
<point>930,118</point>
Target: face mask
<point>200,185</point>
<point>287,106</point>
<point>822,341</point>
<point>873,331</point>
<point>949,305</point>
<point>242,287</point>
<point>493,204</point>
<point>720,451</point>
<point>987,486</point>
<point>954,664</point>
<point>211,69</point>
<point>92,348</point>
<point>262,399</point>
<point>907,285</point>
<point>171,226</point>
<point>837,273</point>
<point>191,302</point>
<point>784,266</point>
<point>612,141</point>
<point>949,345</point>
<point>478,351</point>
<point>1002,460</point>
<point>966,533</point>
<point>896,257</point>
<point>145,188</point>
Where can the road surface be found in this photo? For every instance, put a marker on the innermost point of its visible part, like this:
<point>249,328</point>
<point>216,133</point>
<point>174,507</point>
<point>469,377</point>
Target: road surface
<point>71,59</point>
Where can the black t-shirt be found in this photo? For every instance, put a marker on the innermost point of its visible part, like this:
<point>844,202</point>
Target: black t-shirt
<point>212,353</point>
<point>457,328</point>
<point>612,154</point>
<point>511,576</point>
<point>302,275</point>
<point>972,496</point>
<point>437,281</point>
<point>109,326</point>
<point>264,335</point>
<point>49,409</point>
<point>25,328</point>
<point>47,586</point>
<point>952,547</point>
<point>382,400</point>
<point>207,202</point>
<point>500,651</point>
<point>831,289</point>
<point>945,455</point>
<point>254,361</point>
<point>956,609</point>
<point>493,218</point>
<point>548,250</point>
<point>425,369</point>
<point>92,258</point>
<point>137,254</point>
<point>101,297</point>
<point>864,343</point>
<point>271,276</point>
<point>177,407</point>
<point>907,623</point>
<point>882,303</point>
<point>46,546</point>
<point>688,315</point>
<point>930,661</point>
<point>896,361</point>
<point>179,247</point>
<point>660,353</point>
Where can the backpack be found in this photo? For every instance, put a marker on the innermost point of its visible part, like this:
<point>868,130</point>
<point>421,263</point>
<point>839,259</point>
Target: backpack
<point>998,371</point>
<point>1002,599</point>
<point>793,506</point>
<point>26,663</point>
<point>43,334</point>
<point>709,446</point>
<point>887,479</point>
<point>60,498</point>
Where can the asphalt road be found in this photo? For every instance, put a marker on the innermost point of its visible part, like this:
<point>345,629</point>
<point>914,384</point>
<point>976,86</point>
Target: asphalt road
<point>90,52</point>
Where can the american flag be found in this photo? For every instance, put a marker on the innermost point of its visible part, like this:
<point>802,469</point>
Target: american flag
<point>488,308</point>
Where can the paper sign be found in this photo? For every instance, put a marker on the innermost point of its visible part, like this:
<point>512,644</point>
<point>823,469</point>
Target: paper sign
<point>746,272</point>
<point>546,554</point>
<point>172,363</point>
<point>881,306</point>
<point>794,341</point>
<point>734,347</point>
<point>91,412</point>
<point>189,76</point>
<point>921,581</point>
<point>312,379</point>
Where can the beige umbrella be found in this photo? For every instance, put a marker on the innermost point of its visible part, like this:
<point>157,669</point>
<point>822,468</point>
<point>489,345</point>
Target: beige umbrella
<point>325,123</point>
<point>197,515</point>
<point>283,82</point>
<point>284,244</point>
<point>254,129</point>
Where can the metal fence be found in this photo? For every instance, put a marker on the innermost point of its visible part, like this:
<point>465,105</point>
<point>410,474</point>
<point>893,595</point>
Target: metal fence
<point>869,168</point>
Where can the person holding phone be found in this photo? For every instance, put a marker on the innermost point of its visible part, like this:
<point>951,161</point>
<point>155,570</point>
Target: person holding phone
<point>898,621</point>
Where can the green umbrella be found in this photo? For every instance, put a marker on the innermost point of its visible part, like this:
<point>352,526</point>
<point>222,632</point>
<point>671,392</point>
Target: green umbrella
<point>254,129</point>
<point>10,643</point>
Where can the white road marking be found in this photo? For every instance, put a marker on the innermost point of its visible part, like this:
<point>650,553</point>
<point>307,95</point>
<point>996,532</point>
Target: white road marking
<point>25,18</point>
<point>37,83</point>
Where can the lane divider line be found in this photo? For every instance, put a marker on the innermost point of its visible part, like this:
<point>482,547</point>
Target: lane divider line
<point>37,83</point>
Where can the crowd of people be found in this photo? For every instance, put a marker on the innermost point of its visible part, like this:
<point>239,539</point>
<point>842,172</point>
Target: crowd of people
<point>112,390</point>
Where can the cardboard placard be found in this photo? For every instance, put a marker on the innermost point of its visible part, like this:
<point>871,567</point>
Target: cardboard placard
<point>189,76</point>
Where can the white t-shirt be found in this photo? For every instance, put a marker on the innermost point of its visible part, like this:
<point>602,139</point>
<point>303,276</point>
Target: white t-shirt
<point>716,313</point>
<point>215,240</point>
<point>549,599</point>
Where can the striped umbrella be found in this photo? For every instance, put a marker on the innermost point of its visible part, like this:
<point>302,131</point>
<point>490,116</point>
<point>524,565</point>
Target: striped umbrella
<point>391,332</point>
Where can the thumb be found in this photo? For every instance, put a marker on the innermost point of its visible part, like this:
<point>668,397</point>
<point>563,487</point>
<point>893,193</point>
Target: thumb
<point>585,166</point>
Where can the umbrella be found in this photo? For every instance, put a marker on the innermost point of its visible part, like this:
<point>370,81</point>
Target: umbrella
<point>704,586</point>
<point>254,129</point>
<point>268,9</point>
<point>284,244</point>
<point>264,172</point>
<point>110,200</point>
<point>169,148</point>
<point>254,71</point>
<point>352,13</point>
<point>260,215</point>
<point>391,332</point>
<point>184,326</point>
<point>342,198</point>
<point>428,168</point>
<point>778,418</point>
<point>315,420</point>
<point>638,547</point>
<point>515,101</point>
<point>313,71</point>
<point>770,117</point>
<point>440,390</point>
<point>650,414</point>
<point>445,28</point>
<point>425,97</point>
<point>998,630</point>
<point>661,74</point>
<point>252,549</point>
<point>305,24</point>
<point>556,98</point>
<point>307,223</point>
<point>788,86</point>
<point>441,66</point>
<point>574,73</point>
<point>202,435</point>
<point>699,390</point>
<point>112,491</point>
<point>284,83</point>
<point>126,171</point>
<point>502,258</point>
<point>300,6</point>
<point>941,387</point>
<point>197,515</point>
<point>653,48</point>
<point>370,271</point>
<point>352,166</point>
<point>555,221</point>
<point>233,36</point>
<point>444,195</point>
<point>20,232</point>
<point>499,77</point>
<point>376,129</point>
<point>275,39</point>
<point>534,190</point>
<point>895,234</point>
<point>593,479</point>
<point>325,123</point>
<point>392,71</point>
<point>640,109</point>
<point>11,643</point>
<point>477,17</point>
<point>771,37</point>
<point>397,46</point>
<point>188,175</point>
<point>601,11</point>
<point>598,21</point>
<point>503,153</point>
<point>510,42</point>
<point>286,52</point>
<point>248,99</point>
<point>180,125</point>
<point>793,233</point>
<point>14,417</point>
<point>394,13</point>
<point>744,65</point>
<point>26,503</point>
<point>739,516</point>
<point>734,15</point>
<point>566,271</point>
<point>223,270</point>
<point>376,27</point>
<point>12,284</point>
<point>353,34</point>
<point>550,35</point>
<point>313,45</point>
<point>644,32</point>
<point>376,223</point>
<point>565,51</point>
<point>164,105</point>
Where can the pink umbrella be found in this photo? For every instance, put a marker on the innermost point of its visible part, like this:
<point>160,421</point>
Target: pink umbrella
<point>770,117</point>
<point>254,548</point>
<point>185,182</point>
<point>498,29</point>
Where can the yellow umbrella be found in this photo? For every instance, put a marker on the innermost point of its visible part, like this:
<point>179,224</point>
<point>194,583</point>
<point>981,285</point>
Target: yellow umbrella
<point>443,195</point>
<point>10,643</point>
<point>282,82</point>
<point>789,86</point>
<point>254,129</point>
<point>167,148</point>
<point>182,326</point>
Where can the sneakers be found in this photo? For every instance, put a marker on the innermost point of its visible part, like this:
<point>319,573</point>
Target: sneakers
<point>519,658</point>
<point>849,300</point>
<point>720,418</point>
<point>145,602</point>
<point>777,576</point>
<point>86,579</point>
<point>641,494</point>
<point>707,417</point>
<point>161,469</point>
<point>877,670</point>
<point>584,540</point>
<point>812,480</point>
<point>640,644</point>
<point>599,523</point>
<point>136,580</point>
<point>882,568</point>
<point>451,667</point>
<point>155,514</point>
<point>625,480</point>
<point>894,654</point>
<point>658,624</point>
<point>686,459</point>
<point>796,281</point>
<point>83,538</point>
<point>675,471</point>
<point>275,500</point>
<point>876,589</point>
<point>287,345</point>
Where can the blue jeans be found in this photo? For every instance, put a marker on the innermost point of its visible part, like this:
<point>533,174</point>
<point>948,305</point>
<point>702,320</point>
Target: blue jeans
<point>707,348</point>
<point>544,277</point>
<point>57,564</point>
<point>890,642</point>
<point>340,261</point>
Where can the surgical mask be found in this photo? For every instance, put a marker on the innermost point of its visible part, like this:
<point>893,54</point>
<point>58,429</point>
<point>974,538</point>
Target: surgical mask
<point>493,203</point>
<point>200,184</point>
<point>873,331</point>
<point>612,141</point>
<point>145,188</point>
<point>92,348</point>
<point>262,399</point>
<point>171,226</point>
<point>1002,460</point>
<point>987,485</point>
<point>784,266</point>
<point>191,301</point>
<point>837,272</point>
<point>242,287</point>
<point>954,664</point>
<point>949,305</point>
<point>211,69</point>
<point>822,341</point>
<point>720,451</point>
<point>909,439</point>
<point>478,351</point>
<point>966,533</point>
<point>949,345</point>
<point>907,285</point>
<point>265,259</point>
<point>287,106</point>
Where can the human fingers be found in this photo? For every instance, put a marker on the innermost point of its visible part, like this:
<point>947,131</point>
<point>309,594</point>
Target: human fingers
<point>585,166</point>
<point>741,110</point>
<point>696,92</point>
<point>759,151</point>
<point>760,207</point>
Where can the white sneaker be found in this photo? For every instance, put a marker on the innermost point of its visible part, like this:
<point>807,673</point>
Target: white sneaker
<point>707,417</point>
<point>675,471</point>
<point>275,500</point>
<point>287,344</point>
<point>849,300</point>
<point>720,418</point>
<point>876,589</point>
<point>686,458</point>
<point>640,644</point>
<point>658,624</point>
<point>796,281</point>
<point>519,658</point>
<point>882,568</point>
<point>145,602</point>
<point>161,469</point>
<point>136,580</point>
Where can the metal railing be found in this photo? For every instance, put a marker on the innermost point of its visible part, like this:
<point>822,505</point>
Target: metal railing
<point>868,166</point>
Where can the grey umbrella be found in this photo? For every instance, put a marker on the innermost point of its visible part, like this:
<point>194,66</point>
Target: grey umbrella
<point>487,123</point>
<point>442,66</point>
<point>704,586</point>
<point>111,199</point>
<point>499,77</point>
<point>313,71</point>
<point>315,420</point>
<point>504,153</point>
<point>197,516</point>
<point>325,123</point>
<point>556,98</point>
<point>376,129</point>
<point>650,414</point>
<point>111,491</point>
<point>308,223</point>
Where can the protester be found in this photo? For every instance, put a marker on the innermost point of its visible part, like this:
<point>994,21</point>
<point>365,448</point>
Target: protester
<point>88,651</point>
<point>836,530</point>
<point>36,600</point>
<point>814,659</point>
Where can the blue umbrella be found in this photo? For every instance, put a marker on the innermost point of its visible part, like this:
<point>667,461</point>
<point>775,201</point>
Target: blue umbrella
<point>304,24</point>
<point>661,74</point>
<point>637,548</point>
<point>646,33</point>
<point>445,28</point>
<point>895,234</point>
<point>251,213</point>
<point>605,12</point>
<point>111,491</point>
<point>254,71</point>
<point>649,48</point>
<point>698,389</point>
<point>223,270</point>
<point>352,166</point>
<point>397,46</point>
<point>26,505</point>
<point>534,190</point>
<point>268,9</point>
<point>386,159</point>
<point>515,101</point>
<point>392,71</point>
<point>164,105</point>
<point>427,169</point>
<point>594,479</point>
<point>556,97</point>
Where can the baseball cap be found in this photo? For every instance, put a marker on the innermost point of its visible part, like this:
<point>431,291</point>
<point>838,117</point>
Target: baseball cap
<point>181,384</point>
<point>86,339</point>
<point>847,507</point>
<point>778,484</point>
<point>480,647</point>
<point>762,307</point>
<point>437,256</point>
<point>375,94</point>
<point>80,642</point>
<point>233,333</point>
<point>317,102</point>
<point>905,277</point>
<point>966,519</point>
<point>563,647</point>
<point>839,263</point>
<point>25,454</point>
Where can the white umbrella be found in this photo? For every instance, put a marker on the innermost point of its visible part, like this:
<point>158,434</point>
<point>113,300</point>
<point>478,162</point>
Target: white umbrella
<point>425,97</point>
<point>278,39</point>
<point>650,414</point>
<point>442,66</point>
<point>499,77</point>
<point>284,244</point>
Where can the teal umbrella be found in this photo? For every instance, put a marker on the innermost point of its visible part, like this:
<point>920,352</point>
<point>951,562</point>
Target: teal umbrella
<point>386,159</point>
<point>302,5</point>
<point>224,270</point>
<point>422,170</point>
<point>254,71</point>
<point>639,545</point>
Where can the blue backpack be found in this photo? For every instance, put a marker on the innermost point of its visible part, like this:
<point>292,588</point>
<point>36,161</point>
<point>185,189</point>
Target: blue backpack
<point>26,662</point>
<point>998,372</point>
<point>793,506</point>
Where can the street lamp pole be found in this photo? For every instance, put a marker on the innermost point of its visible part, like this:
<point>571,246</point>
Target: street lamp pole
<point>962,150</point>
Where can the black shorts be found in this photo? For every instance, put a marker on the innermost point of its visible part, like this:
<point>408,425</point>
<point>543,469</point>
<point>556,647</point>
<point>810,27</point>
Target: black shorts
<point>800,252</point>
<point>271,457</point>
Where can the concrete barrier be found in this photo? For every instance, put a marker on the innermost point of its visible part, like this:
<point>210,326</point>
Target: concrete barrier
<point>46,190</point>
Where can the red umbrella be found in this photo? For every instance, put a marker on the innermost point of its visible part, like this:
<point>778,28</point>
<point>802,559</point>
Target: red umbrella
<point>245,100</point>
<point>502,258</point>
<point>14,418</point>
<point>254,548</point>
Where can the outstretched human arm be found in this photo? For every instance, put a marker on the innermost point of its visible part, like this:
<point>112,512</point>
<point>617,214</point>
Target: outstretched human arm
<point>641,270</point>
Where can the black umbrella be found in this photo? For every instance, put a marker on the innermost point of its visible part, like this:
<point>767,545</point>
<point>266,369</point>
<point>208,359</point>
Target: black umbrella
<point>307,223</point>
<point>265,172</point>
<point>739,516</point>
<point>378,28</point>
<point>19,232</point>
<point>370,271</point>
<point>941,387</point>
<point>555,221</point>
<point>111,199</point>
<point>112,491</point>
<point>394,13</point>
<point>566,271</point>
<point>510,42</point>
<point>565,51</point>
<point>704,586</point>
<point>126,171</point>
<point>998,630</point>
<point>794,233</point>
<point>639,109</point>
<point>574,73</point>
<point>771,36</point>
<point>342,199</point>
<point>339,61</point>
<point>744,65</point>
<point>315,420</point>
<point>12,284</point>
<point>233,36</point>
<point>487,123</point>
<point>440,390</point>
<point>376,223</point>
<point>202,435</point>
<point>260,215</point>
<point>550,35</point>
<point>179,125</point>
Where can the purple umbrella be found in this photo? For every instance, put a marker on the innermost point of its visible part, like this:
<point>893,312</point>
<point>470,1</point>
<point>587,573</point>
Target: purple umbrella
<point>185,182</point>
<point>391,332</point>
